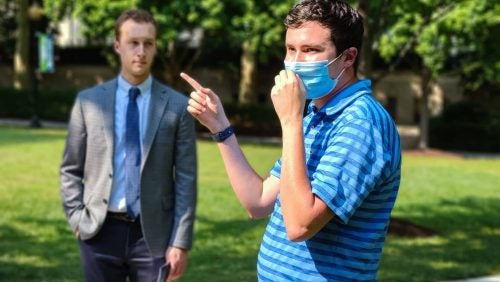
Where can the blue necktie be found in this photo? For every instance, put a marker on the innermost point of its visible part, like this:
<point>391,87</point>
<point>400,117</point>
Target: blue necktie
<point>133,154</point>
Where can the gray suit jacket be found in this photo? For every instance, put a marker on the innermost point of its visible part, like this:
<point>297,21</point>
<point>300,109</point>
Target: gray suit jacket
<point>168,169</point>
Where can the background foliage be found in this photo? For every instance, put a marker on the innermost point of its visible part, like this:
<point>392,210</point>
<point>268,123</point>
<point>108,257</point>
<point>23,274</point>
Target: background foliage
<point>447,35</point>
<point>467,126</point>
<point>257,120</point>
<point>430,37</point>
<point>7,27</point>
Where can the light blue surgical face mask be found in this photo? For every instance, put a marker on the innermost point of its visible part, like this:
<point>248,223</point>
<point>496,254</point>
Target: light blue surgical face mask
<point>315,76</point>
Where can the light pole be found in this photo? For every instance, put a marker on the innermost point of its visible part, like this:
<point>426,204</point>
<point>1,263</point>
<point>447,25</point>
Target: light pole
<point>35,14</point>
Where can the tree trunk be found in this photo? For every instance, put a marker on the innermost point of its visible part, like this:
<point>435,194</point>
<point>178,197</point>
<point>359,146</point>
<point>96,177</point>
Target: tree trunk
<point>247,95</point>
<point>22,76</point>
<point>176,60</point>
<point>365,56</point>
<point>426,76</point>
<point>170,66</point>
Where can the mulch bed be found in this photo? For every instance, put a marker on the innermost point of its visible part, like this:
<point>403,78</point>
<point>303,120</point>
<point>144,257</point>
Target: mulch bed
<point>432,153</point>
<point>406,228</point>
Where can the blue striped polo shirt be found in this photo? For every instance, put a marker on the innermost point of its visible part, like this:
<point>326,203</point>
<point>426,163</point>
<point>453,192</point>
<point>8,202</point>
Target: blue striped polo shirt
<point>353,160</point>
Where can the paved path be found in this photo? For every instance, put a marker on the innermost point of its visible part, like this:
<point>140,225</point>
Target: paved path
<point>269,140</point>
<point>480,279</point>
<point>26,123</point>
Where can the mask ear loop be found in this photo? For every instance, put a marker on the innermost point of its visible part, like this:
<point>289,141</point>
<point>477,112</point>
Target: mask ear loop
<point>341,73</point>
<point>331,62</point>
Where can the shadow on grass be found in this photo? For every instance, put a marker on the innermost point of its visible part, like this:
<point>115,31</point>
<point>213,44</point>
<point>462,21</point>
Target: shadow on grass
<point>468,244</point>
<point>222,251</point>
<point>27,257</point>
<point>225,250</point>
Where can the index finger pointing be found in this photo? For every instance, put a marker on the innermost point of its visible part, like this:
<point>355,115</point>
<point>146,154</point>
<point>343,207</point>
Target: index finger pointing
<point>191,81</point>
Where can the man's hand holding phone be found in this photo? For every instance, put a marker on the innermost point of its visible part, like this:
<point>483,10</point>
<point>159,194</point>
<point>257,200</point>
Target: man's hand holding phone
<point>163,272</point>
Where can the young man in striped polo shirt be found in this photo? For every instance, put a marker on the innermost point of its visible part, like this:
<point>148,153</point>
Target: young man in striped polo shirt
<point>330,195</point>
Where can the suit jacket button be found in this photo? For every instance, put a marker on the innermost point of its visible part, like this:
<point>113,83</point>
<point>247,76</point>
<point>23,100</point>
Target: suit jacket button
<point>105,201</point>
<point>110,175</point>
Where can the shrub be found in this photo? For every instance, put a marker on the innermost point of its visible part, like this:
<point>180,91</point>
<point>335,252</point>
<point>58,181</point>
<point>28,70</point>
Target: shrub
<point>256,120</point>
<point>467,126</point>
<point>51,104</point>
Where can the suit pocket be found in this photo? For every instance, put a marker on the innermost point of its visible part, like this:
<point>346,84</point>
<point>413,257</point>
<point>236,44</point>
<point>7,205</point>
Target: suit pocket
<point>74,219</point>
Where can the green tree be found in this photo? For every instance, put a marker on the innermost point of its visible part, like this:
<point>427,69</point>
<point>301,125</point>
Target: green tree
<point>258,27</point>
<point>22,75</point>
<point>7,29</point>
<point>181,28</point>
<point>438,32</point>
<point>253,26</point>
<point>376,18</point>
<point>184,27</point>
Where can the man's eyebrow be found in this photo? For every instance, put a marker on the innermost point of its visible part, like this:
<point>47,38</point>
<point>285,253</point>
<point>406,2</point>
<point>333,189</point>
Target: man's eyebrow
<point>305,45</point>
<point>142,38</point>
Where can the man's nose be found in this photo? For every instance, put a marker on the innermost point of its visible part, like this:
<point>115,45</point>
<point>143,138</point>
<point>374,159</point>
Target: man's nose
<point>141,49</point>
<point>298,57</point>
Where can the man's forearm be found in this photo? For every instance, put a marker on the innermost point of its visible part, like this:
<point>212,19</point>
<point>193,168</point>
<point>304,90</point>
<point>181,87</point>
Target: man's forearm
<point>246,183</point>
<point>304,213</point>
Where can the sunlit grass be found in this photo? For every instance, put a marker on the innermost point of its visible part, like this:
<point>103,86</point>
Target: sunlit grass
<point>459,198</point>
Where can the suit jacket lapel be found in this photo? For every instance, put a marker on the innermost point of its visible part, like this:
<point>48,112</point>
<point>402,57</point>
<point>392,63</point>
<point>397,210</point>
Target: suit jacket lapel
<point>106,103</point>
<point>157,106</point>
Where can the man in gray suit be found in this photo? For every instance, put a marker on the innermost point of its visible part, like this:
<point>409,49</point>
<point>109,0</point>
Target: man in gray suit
<point>128,175</point>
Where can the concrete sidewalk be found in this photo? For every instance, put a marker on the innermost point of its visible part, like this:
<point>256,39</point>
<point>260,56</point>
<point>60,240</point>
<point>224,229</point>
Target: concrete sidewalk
<point>495,278</point>
<point>26,123</point>
<point>404,131</point>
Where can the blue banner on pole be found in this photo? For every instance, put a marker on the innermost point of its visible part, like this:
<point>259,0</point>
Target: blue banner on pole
<point>45,53</point>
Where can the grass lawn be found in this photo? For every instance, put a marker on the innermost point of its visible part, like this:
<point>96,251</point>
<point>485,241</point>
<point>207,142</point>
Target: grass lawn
<point>459,198</point>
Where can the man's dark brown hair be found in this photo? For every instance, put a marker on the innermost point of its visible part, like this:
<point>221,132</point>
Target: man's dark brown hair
<point>344,22</point>
<point>137,15</point>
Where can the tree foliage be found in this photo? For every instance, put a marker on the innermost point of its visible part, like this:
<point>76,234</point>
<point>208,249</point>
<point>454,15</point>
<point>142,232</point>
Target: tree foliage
<point>173,17</point>
<point>260,23</point>
<point>7,29</point>
<point>448,35</point>
<point>257,29</point>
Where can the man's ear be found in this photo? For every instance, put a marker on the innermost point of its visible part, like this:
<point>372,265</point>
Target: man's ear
<point>351,55</point>
<point>116,46</point>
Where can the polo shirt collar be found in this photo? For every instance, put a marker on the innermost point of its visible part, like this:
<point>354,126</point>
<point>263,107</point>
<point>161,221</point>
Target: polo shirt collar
<point>342,99</point>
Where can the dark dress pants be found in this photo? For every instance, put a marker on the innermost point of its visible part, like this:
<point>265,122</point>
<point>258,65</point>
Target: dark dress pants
<point>119,251</point>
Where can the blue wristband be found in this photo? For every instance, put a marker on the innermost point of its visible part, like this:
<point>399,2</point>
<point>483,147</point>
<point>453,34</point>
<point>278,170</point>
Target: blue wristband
<point>223,135</point>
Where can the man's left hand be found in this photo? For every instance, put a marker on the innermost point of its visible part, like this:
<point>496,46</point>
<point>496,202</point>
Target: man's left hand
<point>178,259</point>
<point>288,96</point>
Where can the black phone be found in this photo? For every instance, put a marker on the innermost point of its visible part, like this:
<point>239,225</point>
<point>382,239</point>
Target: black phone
<point>163,272</point>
